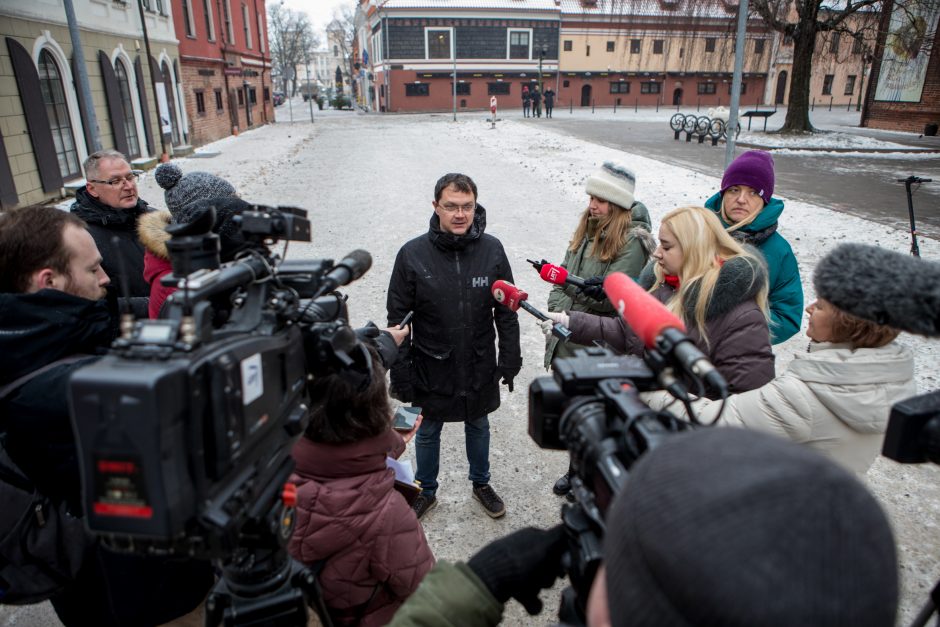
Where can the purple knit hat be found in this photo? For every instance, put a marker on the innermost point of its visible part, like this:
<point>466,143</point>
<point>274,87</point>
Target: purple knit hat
<point>754,168</point>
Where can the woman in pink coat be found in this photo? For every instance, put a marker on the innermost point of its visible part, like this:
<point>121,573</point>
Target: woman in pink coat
<point>348,511</point>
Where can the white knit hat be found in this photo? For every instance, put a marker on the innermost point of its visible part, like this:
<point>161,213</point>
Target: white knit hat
<point>614,183</point>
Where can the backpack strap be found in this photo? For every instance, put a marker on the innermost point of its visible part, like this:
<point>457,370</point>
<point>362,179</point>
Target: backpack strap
<point>11,387</point>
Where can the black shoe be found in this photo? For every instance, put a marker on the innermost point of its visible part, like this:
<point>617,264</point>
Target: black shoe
<point>423,504</point>
<point>492,504</point>
<point>563,485</point>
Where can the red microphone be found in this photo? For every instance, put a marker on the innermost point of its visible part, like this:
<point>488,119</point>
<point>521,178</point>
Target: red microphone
<point>660,329</point>
<point>511,296</point>
<point>559,276</point>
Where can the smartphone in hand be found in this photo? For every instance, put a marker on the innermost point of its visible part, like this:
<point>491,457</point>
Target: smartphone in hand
<point>405,418</point>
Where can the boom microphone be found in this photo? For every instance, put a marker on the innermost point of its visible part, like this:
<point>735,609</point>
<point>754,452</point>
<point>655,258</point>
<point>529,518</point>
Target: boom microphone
<point>511,296</point>
<point>353,266</point>
<point>559,276</point>
<point>882,286</point>
<point>660,329</point>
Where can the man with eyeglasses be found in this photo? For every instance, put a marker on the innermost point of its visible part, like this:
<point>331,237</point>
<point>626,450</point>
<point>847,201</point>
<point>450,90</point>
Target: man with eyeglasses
<point>110,206</point>
<point>449,366</point>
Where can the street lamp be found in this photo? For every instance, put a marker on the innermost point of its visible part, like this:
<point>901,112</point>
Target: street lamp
<point>440,39</point>
<point>542,52</point>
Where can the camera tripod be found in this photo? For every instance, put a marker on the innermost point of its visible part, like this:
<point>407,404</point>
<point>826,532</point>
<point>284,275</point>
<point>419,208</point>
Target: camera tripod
<point>911,180</point>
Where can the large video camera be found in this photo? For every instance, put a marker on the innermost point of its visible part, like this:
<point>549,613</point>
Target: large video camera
<point>592,407</point>
<point>185,428</point>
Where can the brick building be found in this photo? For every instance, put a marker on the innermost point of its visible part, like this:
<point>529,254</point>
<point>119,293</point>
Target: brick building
<point>904,91</point>
<point>46,132</point>
<point>225,66</point>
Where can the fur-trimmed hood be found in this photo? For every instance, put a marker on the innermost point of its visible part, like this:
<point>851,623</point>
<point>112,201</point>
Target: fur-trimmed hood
<point>151,228</point>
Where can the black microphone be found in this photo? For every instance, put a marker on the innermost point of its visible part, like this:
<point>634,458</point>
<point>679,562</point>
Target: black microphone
<point>353,266</point>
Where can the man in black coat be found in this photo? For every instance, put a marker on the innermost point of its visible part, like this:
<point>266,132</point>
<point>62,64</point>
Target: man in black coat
<point>54,306</point>
<point>110,206</point>
<point>450,367</point>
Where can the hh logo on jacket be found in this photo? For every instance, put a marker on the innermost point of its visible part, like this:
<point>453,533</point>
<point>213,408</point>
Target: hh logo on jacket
<point>481,281</point>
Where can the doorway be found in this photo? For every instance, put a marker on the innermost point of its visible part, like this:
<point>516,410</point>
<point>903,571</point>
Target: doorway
<point>781,87</point>
<point>677,96</point>
<point>586,96</point>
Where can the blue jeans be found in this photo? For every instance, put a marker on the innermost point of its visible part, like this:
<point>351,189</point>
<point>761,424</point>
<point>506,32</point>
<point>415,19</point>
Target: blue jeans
<point>428,452</point>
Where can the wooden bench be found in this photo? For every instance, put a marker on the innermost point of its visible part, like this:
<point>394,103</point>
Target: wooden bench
<point>750,115</point>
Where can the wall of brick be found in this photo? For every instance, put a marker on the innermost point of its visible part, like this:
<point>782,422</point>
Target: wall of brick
<point>908,116</point>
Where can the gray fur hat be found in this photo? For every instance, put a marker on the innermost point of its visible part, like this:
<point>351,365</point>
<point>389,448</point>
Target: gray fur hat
<point>882,286</point>
<point>732,527</point>
<point>182,190</point>
<point>614,183</point>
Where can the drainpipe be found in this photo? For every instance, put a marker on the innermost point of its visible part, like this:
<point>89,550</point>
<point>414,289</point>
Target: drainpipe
<point>84,88</point>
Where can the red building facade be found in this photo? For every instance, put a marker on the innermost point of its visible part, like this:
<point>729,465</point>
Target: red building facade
<point>225,65</point>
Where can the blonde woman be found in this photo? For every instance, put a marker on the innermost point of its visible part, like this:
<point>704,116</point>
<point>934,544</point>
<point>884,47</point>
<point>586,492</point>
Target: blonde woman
<point>717,286</point>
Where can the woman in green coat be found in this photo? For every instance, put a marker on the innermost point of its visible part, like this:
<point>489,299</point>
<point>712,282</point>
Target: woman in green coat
<point>613,235</point>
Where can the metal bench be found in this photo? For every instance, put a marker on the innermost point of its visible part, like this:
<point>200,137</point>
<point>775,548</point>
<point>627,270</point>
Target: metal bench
<point>750,115</point>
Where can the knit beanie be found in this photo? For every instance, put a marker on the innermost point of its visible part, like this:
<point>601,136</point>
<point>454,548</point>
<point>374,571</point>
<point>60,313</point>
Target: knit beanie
<point>754,168</point>
<point>726,526</point>
<point>182,190</point>
<point>614,183</point>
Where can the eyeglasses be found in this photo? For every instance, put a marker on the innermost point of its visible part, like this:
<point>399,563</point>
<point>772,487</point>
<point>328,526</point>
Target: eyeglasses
<point>451,208</point>
<point>118,181</point>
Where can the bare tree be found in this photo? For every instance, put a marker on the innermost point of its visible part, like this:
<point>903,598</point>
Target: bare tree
<point>291,40</point>
<point>802,21</point>
<point>342,31</point>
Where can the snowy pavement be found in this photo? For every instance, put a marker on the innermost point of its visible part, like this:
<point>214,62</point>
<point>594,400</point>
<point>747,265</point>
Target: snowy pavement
<point>368,183</point>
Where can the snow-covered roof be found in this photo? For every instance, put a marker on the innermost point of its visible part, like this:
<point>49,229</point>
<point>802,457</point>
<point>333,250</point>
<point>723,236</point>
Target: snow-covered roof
<point>524,5</point>
<point>615,8</point>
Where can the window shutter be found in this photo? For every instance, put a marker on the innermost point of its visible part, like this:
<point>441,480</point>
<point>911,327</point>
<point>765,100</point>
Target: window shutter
<point>8,196</point>
<point>144,109</point>
<point>113,96</point>
<point>27,81</point>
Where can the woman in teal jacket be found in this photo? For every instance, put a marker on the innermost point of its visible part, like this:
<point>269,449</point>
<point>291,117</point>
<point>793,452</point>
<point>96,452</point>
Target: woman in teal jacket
<point>749,213</point>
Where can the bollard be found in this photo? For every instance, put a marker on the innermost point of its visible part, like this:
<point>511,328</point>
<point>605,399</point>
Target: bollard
<point>848,107</point>
<point>636,103</point>
<point>592,106</point>
<point>812,107</point>
<point>698,107</point>
<point>570,106</point>
<point>677,107</point>
<point>831,98</point>
<point>615,104</point>
<point>657,105</point>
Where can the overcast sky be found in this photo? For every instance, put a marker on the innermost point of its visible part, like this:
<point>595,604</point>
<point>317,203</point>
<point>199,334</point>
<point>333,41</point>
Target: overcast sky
<point>320,11</point>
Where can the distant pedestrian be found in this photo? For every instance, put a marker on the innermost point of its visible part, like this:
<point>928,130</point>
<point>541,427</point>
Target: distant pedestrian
<point>536,102</point>
<point>549,101</point>
<point>526,101</point>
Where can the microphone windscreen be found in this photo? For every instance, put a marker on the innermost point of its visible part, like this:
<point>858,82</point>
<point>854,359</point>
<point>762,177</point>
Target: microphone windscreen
<point>882,286</point>
<point>508,294</point>
<point>358,261</point>
<point>642,312</point>
<point>553,274</point>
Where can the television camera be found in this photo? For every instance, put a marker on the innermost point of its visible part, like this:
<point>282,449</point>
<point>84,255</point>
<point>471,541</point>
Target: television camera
<point>185,428</point>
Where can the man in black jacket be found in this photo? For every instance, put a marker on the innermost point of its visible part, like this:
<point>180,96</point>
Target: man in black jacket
<point>450,366</point>
<point>110,206</point>
<point>53,306</point>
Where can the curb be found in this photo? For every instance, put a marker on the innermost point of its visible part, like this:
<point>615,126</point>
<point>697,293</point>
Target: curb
<point>913,151</point>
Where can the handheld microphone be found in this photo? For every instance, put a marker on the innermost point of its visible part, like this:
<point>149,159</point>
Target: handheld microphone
<point>511,296</point>
<point>660,329</point>
<point>559,276</point>
<point>353,266</point>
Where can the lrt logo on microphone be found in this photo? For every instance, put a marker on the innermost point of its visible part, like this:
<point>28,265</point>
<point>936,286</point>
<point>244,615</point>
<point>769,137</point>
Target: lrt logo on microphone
<point>481,281</point>
<point>553,275</point>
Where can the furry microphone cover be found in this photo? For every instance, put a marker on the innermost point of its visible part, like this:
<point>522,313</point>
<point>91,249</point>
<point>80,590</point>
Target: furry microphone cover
<point>882,286</point>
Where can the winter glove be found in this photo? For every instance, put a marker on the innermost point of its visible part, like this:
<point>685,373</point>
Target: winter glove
<point>594,288</point>
<point>507,377</point>
<point>521,564</point>
<point>554,317</point>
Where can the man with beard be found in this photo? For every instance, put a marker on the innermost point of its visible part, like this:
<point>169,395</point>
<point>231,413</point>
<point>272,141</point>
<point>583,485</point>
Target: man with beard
<point>110,206</point>
<point>55,317</point>
<point>449,367</point>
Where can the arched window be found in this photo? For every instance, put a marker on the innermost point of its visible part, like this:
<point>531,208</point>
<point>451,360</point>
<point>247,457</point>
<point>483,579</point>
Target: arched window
<point>53,95</point>
<point>130,125</point>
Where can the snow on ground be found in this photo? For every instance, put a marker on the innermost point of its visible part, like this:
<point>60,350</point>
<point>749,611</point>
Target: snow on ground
<point>368,183</point>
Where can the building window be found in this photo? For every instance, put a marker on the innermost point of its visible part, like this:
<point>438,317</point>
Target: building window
<point>681,52</point>
<point>657,46</point>
<point>519,44</point>
<point>787,40</point>
<point>246,25</point>
<point>335,50</point>
<point>53,94</point>
<point>857,45</point>
<point>127,106</point>
<point>620,88</point>
<point>497,89</point>
<point>200,102</point>
<point>834,43</point>
<point>218,100</point>
<point>827,84</point>
<point>147,6</point>
<point>207,12</point>
<point>417,89</point>
<point>253,95</point>
<point>849,84</point>
<point>635,46</point>
<point>566,83</point>
<point>731,88</point>
<point>610,46</point>
<point>160,8</point>
<point>758,46</point>
<point>587,50</point>
<point>650,88</point>
<point>260,31</point>
<point>567,45</point>
<point>188,18</point>
<point>267,94</point>
<point>709,44</point>
<point>227,17</point>
<point>438,44</point>
<point>705,89</point>
<point>463,89</point>
<point>241,97</point>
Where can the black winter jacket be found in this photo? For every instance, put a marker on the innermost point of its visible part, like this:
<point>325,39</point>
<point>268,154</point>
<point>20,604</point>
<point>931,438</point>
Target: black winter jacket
<point>449,365</point>
<point>106,222</point>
